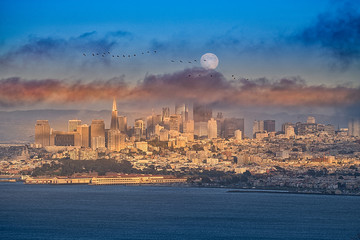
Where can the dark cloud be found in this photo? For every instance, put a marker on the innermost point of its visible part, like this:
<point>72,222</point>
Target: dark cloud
<point>87,34</point>
<point>188,85</point>
<point>120,34</point>
<point>55,49</point>
<point>335,34</point>
<point>337,31</point>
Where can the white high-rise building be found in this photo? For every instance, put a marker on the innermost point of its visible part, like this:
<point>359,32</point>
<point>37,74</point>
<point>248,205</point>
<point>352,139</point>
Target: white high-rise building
<point>200,129</point>
<point>212,129</point>
<point>310,119</point>
<point>238,135</point>
<point>289,131</point>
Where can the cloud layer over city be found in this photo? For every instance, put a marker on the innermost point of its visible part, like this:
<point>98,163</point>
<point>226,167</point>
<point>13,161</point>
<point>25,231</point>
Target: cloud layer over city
<point>194,84</point>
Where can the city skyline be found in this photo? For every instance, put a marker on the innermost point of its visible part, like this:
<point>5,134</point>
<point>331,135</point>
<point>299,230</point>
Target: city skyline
<point>167,126</point>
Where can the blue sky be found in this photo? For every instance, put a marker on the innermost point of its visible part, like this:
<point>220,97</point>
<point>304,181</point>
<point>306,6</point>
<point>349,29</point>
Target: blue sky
<point>21,18</point>
<point>316,41</point>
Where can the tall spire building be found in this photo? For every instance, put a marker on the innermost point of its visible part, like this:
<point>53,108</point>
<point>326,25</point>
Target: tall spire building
<point>114,117</point>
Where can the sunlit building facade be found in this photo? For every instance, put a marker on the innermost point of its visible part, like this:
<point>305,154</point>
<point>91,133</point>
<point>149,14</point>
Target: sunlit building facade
<point>42,133</point>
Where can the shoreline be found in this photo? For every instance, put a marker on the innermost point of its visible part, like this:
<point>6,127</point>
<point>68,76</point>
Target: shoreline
<point>228,189</point>
<point>288,192</point>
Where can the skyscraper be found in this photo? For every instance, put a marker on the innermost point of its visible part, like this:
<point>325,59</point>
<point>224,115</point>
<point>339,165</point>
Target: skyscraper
<point>179,108</point>
<point>189,126</point>
<point>165,113</point>
<point>42,133</point>
<point>116,140</point>
<point>212,129</point>
<point>73,124</point>
<point>189,130</point>
<point>269,125</point>
<point>258,127</point>
<point>174,122</point>
<point>97,134</point>
<point>114,118</point>
<point>122,121</point>
<point>182,111</point>
<point>84,131</point>
<point>202,114</point>
<point>354,127</point>
<point>164,135</point>
<point>220,124</point>
<point>139,129</point>
<point>289,131</point>
<point>231,125</point>
<point>238,135</point>
<point>151,122</point>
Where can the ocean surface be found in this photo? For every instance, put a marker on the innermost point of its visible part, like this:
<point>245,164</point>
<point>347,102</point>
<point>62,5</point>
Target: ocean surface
<point>162,212</point>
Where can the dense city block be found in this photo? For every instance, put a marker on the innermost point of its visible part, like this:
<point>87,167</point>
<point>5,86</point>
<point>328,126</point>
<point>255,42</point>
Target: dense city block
<point>302,157</point>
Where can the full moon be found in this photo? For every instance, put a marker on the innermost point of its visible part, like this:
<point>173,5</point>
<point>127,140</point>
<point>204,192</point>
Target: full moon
<point>209,61</point>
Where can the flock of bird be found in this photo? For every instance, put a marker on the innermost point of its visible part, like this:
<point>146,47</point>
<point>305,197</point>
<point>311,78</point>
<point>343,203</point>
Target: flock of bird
<point>104,54</point>
<point>200,75</point>
<point>181,61</point>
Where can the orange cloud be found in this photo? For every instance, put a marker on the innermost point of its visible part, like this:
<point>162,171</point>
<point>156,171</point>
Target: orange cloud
<point>187,85</point>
